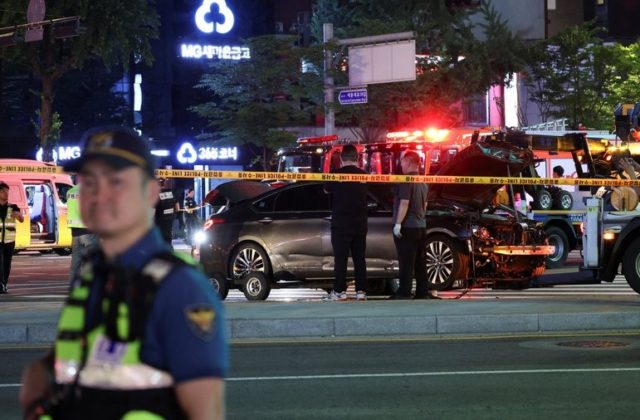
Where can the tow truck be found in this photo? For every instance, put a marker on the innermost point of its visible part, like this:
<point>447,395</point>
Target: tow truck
<point>321,154</point>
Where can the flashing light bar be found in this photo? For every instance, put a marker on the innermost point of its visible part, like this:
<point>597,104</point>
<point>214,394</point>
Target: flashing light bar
<point>430,135</point>
<point>320,139</point>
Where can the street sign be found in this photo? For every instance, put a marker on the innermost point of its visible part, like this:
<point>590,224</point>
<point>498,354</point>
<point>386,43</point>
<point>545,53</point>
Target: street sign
<point>352,96</point>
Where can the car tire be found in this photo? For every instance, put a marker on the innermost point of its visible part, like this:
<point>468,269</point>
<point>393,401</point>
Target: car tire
<point>219,284</point>
<point>558,238</point>
<point>543,200</point>
<point>563,200</point>
<point>247,258</point>
<point>631,265</point>
<point>446,262</point>
<point>256,286</point>
<point>63,251</point>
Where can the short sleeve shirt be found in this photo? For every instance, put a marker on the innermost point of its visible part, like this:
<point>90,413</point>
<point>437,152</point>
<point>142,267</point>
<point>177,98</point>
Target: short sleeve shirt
<point>417,196</point>
<point>185,331</point>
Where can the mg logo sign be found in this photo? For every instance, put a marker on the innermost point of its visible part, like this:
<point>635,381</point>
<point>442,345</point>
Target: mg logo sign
<point>211,19</point>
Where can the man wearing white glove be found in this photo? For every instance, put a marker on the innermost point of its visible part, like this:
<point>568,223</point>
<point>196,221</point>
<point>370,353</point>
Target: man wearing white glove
<point>410,230</point>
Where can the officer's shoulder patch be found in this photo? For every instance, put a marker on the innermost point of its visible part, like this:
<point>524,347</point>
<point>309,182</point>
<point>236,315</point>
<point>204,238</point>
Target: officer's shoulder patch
<point>201,319</point>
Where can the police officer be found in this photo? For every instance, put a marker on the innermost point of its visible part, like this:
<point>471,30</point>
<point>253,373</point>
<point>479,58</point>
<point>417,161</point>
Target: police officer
<point>141,335</point>
<point>82,240</point>
<point>9,214</point>
<point>166,210</point>
<point>190,215</point>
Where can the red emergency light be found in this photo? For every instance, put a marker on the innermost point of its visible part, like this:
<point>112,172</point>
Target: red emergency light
<point>319,139</point>
<point>432,135</point>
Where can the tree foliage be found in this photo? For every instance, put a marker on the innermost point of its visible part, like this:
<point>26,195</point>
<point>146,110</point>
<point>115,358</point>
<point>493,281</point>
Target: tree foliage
<point>114,32</point>
<point>574,75</point>
<point>453,62</point>
<point>253,101</point>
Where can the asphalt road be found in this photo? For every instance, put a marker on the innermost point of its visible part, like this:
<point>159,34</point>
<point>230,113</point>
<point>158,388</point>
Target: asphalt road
<point>526,377</point>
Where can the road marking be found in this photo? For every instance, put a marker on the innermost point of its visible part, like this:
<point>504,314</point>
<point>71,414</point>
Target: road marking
<point>410,374</point>
<point>424,374</point>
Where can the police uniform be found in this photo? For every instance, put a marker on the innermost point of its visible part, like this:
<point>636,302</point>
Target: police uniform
<point>137,334</point>
<point>190,218</point>
<point>166,213</point>
<point>7,242</point>
<point>82,239</point>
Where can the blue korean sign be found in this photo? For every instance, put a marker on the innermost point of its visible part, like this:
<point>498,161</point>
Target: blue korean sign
<point>352,96</point>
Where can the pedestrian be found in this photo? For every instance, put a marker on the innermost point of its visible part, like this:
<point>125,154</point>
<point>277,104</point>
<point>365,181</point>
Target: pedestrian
<point>82,240</point>
<point>9,215</point>
<point>190,215</point>
<point>558,171</point>
<point>410,231</point>
<point>348,227</point>
<point>141,335</point>
<point>166,210</point>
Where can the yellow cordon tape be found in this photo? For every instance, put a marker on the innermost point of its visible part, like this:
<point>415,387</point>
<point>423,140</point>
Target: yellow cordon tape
<point>291,176</point>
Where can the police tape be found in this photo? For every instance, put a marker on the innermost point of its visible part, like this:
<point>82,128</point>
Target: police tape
<point>333,177</point>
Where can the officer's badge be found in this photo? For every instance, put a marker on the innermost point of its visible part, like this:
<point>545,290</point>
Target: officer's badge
<point>201,319</point>
<point>99,141</point>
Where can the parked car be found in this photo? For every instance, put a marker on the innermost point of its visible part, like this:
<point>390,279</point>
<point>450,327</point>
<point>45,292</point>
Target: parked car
<point>282,237</point>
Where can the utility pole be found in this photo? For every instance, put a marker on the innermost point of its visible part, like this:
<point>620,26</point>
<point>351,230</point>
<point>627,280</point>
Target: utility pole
<point>329,113</point>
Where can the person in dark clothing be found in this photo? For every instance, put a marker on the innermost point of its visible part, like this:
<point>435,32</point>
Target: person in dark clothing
<point>410,231</point>
<point>190,215</point>
<point>166,210</point>
<point>348,227</point>
<point>9,215</point>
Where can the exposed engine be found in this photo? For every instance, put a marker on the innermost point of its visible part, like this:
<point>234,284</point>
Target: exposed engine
<point>507,249</point>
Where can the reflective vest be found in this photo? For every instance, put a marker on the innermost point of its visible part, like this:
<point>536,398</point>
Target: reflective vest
<point>8,228</point>
<point>104,362</point>
<point>73,208</point>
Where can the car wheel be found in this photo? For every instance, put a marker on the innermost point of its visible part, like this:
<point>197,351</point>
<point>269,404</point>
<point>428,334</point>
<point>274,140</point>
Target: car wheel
<point>631,265</point>
<point>63,251</point>
<point>543,200</point>
<point>220,285</point>
<point>256,286</point>
<point>557,238</point>
<point>563,200</point>
<point>247,258</point>
<point>445,262</point>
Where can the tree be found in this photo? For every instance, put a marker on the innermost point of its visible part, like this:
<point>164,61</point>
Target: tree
<point>253,101</point>
<point>113,32</point>
<point>574,75</point>
<point>453,64</point>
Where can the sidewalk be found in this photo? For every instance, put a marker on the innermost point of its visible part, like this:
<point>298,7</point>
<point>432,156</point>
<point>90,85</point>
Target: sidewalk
<point>35,322</point>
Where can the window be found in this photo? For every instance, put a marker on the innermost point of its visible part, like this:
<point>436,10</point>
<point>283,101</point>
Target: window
<point>310,197</point>
<point>475,110</point>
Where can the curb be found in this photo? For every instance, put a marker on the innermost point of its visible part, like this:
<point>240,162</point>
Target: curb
<point>343,327</point>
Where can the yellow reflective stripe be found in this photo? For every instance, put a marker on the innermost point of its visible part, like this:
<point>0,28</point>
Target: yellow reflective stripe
<point>66,351</point>
<point>141,415</point>
<point>123,321</point>
<point>71,319</point>
<point>80,293</point>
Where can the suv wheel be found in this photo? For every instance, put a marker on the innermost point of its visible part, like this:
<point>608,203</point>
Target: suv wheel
<point>445,262</point>
<point>543,200</point>
<point>247,258</point>
<point>563,200</point>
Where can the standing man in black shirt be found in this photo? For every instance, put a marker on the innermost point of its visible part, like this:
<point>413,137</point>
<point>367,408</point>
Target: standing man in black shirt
<point>348,227</point>
<point>166,210</point>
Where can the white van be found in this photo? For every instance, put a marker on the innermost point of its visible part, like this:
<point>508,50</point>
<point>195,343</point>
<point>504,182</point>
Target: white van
<point>41,195</point>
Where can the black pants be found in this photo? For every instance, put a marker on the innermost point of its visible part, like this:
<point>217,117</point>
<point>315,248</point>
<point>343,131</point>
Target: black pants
<point>412,260</point>
<point>343,243</point>
<point>6,254</point>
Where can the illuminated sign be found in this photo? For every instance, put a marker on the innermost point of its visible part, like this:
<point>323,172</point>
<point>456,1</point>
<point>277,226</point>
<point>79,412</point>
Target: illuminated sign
<point>188,154</point>
<point>222,52</point>
<point>214,16</point>
<point>62,153</point>
<point>208,21</point>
